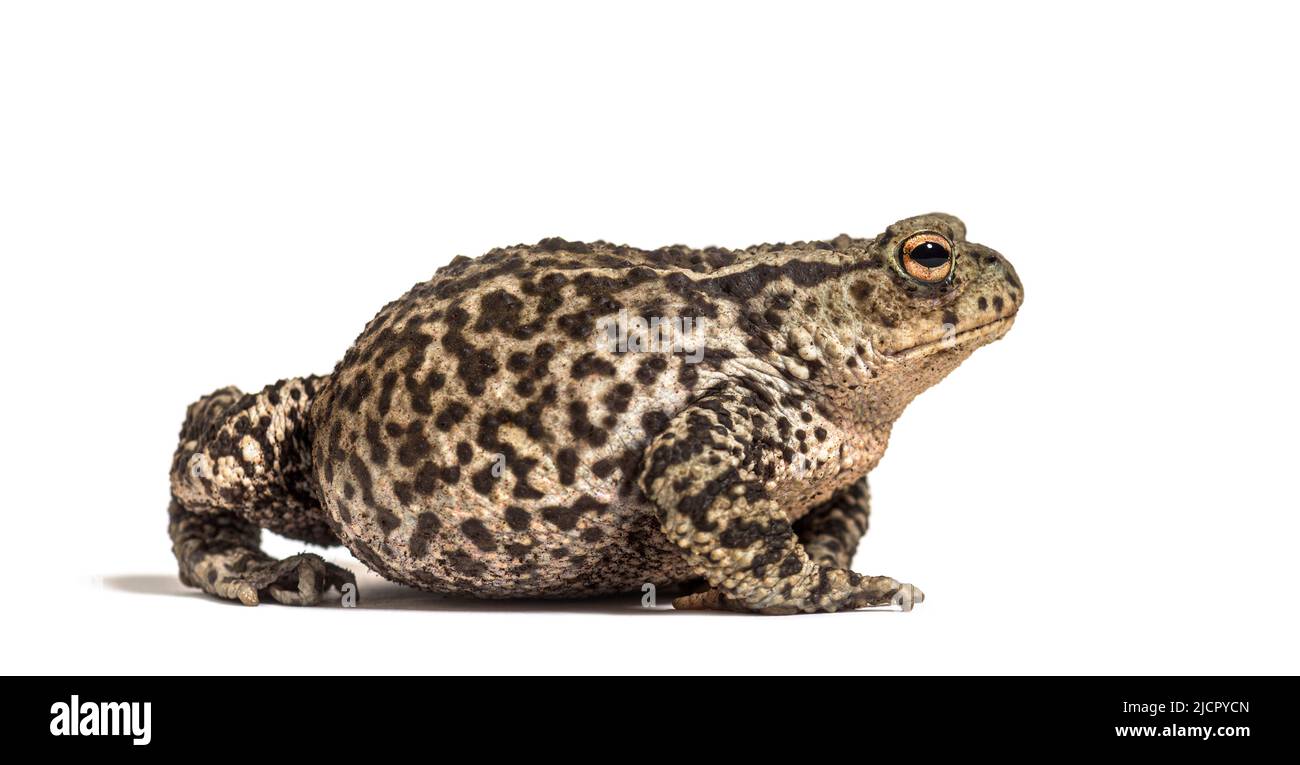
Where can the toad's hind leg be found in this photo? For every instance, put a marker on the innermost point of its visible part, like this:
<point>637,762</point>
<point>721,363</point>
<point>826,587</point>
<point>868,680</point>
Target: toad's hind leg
<point>242,466</point>
<point>703,475</point>
<point>221,554</point>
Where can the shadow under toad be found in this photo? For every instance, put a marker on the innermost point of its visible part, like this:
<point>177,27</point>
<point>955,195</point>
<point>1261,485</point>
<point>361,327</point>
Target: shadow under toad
<point>375,593</point>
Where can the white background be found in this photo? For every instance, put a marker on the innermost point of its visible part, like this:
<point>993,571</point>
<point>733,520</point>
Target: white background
<point>195,195</point>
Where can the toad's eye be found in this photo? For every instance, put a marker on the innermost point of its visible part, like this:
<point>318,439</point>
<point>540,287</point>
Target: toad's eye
<point>926,257</point>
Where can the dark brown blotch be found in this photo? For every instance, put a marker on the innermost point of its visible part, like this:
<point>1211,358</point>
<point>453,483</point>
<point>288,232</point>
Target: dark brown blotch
<point>478,534</point>
<point>517,518</point>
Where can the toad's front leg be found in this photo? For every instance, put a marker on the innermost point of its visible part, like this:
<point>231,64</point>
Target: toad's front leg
<point>701,475</point>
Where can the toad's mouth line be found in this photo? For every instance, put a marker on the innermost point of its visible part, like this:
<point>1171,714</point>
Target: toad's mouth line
<point>992,331</point>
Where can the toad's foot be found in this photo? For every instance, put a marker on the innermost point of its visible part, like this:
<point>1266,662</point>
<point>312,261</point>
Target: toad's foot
<point>219,553</point>
<point>299,580</point>
<point>876,591</point>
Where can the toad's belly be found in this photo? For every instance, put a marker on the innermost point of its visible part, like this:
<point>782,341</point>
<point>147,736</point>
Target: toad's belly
<point>566,552</point>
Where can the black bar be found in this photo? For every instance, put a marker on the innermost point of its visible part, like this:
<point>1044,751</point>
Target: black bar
<point>1058,715</point>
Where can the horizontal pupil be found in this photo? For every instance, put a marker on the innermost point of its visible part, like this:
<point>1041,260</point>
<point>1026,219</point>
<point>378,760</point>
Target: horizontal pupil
<point>929,254</point>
